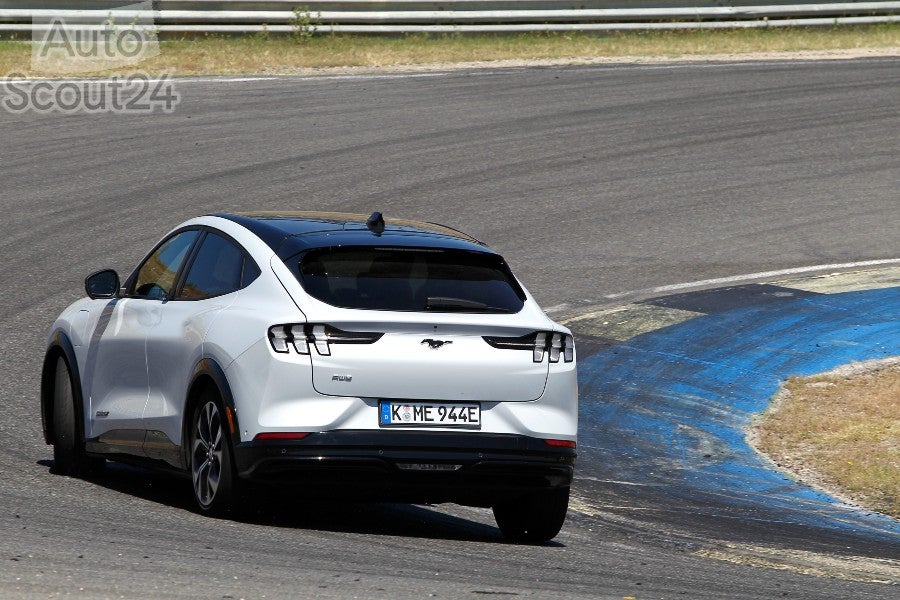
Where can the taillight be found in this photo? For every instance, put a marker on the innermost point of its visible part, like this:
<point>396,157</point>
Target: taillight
<point>303,336</point>
<point>320,339</point>
<point>539,343</point>
<point>280,336</point>
<point>299,339</point>
<point>555,347</point>
<point>569,348</point>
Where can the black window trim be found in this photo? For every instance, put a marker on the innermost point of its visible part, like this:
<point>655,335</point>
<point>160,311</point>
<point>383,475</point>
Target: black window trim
<point>186,264</point>
<point>192,256</point>
<point>128,287</point>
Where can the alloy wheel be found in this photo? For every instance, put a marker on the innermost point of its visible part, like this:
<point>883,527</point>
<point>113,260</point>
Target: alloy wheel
<point>207,453</point>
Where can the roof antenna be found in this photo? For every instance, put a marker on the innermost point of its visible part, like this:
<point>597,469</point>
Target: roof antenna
<point>375,222</point>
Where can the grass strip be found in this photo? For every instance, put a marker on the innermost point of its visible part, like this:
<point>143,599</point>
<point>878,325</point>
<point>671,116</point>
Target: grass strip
<point>287,54</point>
<point>841,432</point>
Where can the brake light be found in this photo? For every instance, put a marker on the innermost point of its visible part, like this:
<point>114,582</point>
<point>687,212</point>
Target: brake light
<point>555,347</point>
<point>280,337</point>
<point>303,336</point>
<point>298,335</point>
<point>569,348</point>
<point>539,343</point>
<point>320,339</point>
<point>560,443</point>
<point>280,435</point>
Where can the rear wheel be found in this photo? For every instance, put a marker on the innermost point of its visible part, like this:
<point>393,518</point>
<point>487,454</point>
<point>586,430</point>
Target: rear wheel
<point>535,518</point>
<point>69,457</point>
<point>212,473</point>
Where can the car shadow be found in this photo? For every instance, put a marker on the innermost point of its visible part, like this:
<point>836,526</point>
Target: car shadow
<point>289,509</point>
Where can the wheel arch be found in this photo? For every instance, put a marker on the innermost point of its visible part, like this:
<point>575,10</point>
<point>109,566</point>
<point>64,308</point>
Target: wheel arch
<point>60,346</point>
<point>208,375</point>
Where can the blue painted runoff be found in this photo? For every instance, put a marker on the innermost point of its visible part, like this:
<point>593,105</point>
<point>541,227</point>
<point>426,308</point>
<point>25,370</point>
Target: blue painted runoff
<point>666,409</point>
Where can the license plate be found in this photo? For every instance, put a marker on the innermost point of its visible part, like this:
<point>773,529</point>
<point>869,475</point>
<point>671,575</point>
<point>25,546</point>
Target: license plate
<point>429,414</point>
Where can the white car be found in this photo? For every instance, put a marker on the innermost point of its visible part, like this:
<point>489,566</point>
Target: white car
<point>354,356</point>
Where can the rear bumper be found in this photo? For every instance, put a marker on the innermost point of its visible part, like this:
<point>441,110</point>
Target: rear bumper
<point>466,468</point>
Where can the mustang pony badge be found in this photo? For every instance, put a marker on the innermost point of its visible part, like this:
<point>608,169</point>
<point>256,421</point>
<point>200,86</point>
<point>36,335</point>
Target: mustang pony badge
<point>435,344</point>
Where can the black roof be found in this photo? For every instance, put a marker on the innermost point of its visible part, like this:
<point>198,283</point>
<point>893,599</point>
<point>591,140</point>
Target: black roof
<point>288,233</point>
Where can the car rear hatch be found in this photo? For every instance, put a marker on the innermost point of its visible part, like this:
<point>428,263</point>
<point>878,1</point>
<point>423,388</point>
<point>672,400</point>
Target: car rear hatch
<point>425,361</point>
<point>418,323</point>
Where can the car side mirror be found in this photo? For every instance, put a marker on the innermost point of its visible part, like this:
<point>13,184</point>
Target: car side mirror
<point>102,284</point>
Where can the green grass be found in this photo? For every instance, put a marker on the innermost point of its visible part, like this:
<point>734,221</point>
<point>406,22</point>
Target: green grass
<point>258,54</point>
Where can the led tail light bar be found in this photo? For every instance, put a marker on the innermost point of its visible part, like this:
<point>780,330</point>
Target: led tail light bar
<point>302,337</point>
<point>540,343</point>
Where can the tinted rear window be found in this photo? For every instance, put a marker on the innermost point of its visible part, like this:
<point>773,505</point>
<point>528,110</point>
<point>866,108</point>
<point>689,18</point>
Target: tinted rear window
<point>410,279</point>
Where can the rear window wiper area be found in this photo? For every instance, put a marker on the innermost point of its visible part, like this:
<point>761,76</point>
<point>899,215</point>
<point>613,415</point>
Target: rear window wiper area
<point>445,304</point>
<point>409,279</point>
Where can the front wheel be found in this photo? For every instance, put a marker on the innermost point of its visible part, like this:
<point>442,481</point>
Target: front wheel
<point>69,457</point>
<point>214,480</point>
<point>535,518</point>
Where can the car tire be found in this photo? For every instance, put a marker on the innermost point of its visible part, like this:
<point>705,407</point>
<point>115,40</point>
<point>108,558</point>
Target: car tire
<point>69,457</point>
<point>536,518</point>
<point>213,477</point>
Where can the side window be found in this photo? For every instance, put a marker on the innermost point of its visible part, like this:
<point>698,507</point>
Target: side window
<point>251,272</point>
<point>156,277</point>
<point>217,270</point>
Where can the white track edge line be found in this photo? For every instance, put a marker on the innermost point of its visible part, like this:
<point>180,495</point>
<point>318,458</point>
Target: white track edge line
<point>466,70</point>
<point>752,276</point>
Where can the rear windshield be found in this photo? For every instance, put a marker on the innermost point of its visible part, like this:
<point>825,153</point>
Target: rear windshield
<point>410,279</point>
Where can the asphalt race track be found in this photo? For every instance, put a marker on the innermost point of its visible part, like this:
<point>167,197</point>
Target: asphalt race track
<point>591,181</point>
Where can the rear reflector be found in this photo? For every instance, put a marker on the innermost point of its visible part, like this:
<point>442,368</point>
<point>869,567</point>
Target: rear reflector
<point>560,443</point>
<point>229,415</point>
<point>280,435</point>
